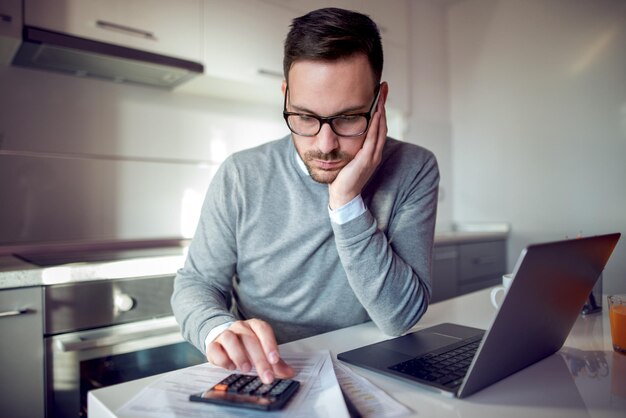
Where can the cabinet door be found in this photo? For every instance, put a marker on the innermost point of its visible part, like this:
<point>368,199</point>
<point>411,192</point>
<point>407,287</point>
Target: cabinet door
<point>444,280</point>
<point>21,345</point>
<point>482,264</point>
<point>244,40</point>
<point>11,18</point>
<point>167,27</point>
<point>392,18</point>
<point>305,6</point>
<point>10,28</point>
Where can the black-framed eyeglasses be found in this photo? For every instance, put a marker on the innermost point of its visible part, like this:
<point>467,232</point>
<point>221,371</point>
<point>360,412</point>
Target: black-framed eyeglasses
<point>350,125</point>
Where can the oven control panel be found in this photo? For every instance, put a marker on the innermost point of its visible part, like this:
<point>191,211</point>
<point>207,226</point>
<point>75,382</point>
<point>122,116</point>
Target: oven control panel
<point>92,304</point>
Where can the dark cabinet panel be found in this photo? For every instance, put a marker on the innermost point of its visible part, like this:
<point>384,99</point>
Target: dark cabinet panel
<point>481,260</point>
<point>445,260</point>
<point>22,371</point>
<point>467,267</point>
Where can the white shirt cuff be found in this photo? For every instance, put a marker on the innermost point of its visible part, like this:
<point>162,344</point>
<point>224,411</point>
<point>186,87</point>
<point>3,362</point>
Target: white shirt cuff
<point>215,332</point>
<point>349,211</point>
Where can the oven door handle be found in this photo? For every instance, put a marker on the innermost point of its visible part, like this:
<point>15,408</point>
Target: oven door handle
<point>164,334</point>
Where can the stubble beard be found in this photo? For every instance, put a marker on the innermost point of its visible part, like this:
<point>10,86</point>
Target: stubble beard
<point>321,175</point>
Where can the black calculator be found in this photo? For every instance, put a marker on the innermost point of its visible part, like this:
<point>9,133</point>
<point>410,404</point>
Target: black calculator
<point>247,391</point>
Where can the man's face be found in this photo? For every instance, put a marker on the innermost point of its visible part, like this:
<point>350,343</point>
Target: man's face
<point>329,88</point>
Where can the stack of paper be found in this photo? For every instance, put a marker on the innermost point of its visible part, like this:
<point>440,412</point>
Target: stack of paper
<point>320,393</point>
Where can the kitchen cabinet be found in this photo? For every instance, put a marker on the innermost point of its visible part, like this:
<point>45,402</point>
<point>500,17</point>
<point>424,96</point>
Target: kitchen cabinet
<point>445,266</point>
<point>391,17</point>
<point>160,26</point>
<point>10,18</point>
<point>481,265</point>
<point>244,39</point>
<point>10,28</point>
<point>22,371</point>
<point>465,267</point>
<point>243,50</point>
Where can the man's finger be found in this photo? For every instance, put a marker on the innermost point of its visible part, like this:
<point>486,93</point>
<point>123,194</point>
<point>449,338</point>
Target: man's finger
<point>257,355</point>
<point>371,138</point>
<point>216,355</point>
<point>234,348</point>
<point>265,334</point>
<point>382,131</point>
<point>268,341</point>
<point>283,370</point>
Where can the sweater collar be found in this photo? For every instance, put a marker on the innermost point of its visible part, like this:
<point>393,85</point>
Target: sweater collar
<point>300,166</point>
<point>300,163</point>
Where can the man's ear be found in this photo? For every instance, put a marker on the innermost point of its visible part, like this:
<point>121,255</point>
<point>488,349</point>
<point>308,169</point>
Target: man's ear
<point>283,87</point>
<point>384,91</point>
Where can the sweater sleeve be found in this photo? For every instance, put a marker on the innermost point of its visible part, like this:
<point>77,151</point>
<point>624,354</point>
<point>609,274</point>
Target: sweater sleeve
<point>390,271</point>
<point>202,288</point>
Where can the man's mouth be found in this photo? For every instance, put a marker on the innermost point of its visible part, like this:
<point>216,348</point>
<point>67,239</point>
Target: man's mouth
<point>328,164</point>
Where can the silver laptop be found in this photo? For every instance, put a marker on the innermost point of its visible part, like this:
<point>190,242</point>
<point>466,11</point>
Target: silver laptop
<point>551,284</point>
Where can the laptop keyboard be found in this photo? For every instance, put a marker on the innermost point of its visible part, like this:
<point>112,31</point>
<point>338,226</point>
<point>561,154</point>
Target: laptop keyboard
<point>447,368</point>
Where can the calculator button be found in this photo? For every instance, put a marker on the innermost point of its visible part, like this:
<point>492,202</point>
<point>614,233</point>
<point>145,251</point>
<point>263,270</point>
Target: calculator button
<point>263,389</point>
<point>232,378</point>
<point>239,383</point>
<point>280,388</point>
<point>252,386</point>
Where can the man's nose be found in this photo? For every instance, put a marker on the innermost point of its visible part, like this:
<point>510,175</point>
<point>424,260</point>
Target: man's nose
<point>327,140</point>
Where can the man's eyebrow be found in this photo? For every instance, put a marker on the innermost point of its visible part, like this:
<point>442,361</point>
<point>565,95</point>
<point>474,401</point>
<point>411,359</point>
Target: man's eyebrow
<point>346,111</point>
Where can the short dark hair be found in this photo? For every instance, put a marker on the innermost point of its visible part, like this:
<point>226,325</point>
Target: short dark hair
<point>332,34</point>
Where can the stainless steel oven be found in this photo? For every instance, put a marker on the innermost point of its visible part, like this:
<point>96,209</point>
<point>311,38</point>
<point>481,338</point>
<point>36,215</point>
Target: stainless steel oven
<point>102,332</point>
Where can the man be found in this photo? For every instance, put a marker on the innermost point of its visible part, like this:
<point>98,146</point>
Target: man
<point>329,227</point>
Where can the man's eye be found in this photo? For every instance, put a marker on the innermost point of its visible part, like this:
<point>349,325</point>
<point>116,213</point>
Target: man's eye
<point>305,118</point>
<point>349,118</point>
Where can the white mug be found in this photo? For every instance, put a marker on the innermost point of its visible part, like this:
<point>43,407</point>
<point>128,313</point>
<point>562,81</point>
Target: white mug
<point>507,279</point>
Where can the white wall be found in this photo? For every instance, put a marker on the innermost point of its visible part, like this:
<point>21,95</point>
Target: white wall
<point>82,159</point>
<point>538,109</point>
<point>429,122</point>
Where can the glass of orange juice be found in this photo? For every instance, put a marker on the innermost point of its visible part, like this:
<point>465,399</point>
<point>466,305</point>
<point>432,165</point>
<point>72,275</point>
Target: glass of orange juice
<point>617,315</point>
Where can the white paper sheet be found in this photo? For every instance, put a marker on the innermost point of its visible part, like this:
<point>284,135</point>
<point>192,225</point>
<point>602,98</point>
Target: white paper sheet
<point>369,400</point>
<point>319,394</point>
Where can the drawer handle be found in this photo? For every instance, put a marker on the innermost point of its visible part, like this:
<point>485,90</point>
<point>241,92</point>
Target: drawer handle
<point>127,29</point>
<point>164,334</point>
<point>485,260</point>
<point>446,256</point>
<point>17,312</point>
<point>6,18</point>
<point>270,73</point>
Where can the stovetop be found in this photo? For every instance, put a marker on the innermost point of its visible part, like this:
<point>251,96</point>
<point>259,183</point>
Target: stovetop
<point>47,264</point>
<point>57,258</point>
<point>56,254</point>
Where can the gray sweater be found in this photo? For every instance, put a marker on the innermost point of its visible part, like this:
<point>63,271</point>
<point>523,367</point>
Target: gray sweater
<point>266,248</point>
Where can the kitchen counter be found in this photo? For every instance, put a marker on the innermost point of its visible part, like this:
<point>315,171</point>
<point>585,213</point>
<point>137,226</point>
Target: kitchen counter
<point>584,379</point>
<point>136,261</point>
<point>29,276</point>
<point>460,233</point>
<point>69,263</point>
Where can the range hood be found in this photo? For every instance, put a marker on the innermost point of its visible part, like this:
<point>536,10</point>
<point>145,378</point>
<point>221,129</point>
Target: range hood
<point>54,51</point>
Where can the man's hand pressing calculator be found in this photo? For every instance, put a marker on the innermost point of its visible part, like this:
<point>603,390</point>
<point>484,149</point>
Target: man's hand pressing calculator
<point>247,391</point>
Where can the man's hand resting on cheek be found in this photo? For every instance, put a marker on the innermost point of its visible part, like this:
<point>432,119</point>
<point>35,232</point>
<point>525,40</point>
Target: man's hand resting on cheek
<point>353,177</point>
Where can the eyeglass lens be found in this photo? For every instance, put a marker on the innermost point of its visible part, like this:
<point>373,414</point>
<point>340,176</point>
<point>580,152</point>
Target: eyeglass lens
<point>341,125</point>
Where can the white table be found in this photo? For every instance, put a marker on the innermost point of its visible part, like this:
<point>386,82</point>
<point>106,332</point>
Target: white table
<point>585,379</point>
